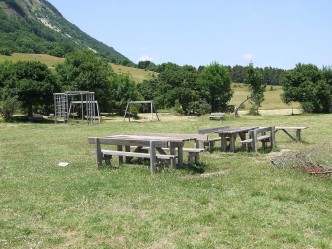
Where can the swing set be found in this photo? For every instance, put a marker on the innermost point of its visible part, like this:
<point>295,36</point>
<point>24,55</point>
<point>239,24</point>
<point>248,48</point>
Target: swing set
<point>149,102</point>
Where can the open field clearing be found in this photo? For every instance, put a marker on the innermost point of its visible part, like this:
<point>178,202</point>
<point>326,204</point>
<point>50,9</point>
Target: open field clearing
<point>230,200</point>
<point>50,61</point>
<point>272,99</point>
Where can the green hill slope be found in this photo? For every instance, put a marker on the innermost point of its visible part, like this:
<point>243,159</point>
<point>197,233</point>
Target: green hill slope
<point>137,74</point>
<point>35,26</point>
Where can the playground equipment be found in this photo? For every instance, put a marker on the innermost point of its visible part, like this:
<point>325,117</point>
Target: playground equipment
<point>153,109</point>
<point>65,103</point>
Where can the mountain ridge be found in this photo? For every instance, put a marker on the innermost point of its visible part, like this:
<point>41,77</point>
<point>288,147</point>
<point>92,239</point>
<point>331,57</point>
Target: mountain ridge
<point>36,26</point>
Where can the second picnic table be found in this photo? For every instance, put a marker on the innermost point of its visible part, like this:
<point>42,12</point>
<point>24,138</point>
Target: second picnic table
<point>232,134</point>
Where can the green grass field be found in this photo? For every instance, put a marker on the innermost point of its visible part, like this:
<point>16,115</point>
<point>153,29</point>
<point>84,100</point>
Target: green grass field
<point>231,200</point>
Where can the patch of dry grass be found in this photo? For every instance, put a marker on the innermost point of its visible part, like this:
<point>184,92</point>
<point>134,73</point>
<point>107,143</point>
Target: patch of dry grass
<point>272,97</point>
<point>50,61</point>
<point>137,74</point>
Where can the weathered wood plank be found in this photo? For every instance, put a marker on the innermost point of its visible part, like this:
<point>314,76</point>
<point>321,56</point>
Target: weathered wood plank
<point>217,115</point>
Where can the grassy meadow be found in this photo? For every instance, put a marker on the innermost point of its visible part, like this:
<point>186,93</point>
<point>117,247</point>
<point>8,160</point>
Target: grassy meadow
<point>230,200</point>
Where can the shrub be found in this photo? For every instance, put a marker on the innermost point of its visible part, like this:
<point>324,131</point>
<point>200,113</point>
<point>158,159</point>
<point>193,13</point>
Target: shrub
<point>8,107</point>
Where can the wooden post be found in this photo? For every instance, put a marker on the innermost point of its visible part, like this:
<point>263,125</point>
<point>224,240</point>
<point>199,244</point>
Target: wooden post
<point>153,167</point>
<point>298,134</point>
<point>223,142</point>
<point>127,149</point>
<point>273,137</point>
<point>254,140</point>
<point>99,153</point>
<point>119,147</point>
<point>180,155</point>
<point>172,151</point>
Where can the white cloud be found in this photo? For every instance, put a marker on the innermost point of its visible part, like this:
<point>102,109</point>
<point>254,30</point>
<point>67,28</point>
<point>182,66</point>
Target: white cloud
<point>146,58</point>
<point>248,56</point>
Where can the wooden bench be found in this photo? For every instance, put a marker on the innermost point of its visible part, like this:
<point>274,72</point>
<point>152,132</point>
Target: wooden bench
<point>260,135</point>
<point>297,129</point>
<point>210,141</point>
<point>217,115</point>
<point>106,154</point>
<point>192,153</point>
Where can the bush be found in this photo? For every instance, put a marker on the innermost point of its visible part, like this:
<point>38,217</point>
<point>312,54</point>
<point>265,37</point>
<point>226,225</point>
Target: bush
<point>177,109</point>
<point>6,51</point>
<point>203,108</point>
<point>8,107</point>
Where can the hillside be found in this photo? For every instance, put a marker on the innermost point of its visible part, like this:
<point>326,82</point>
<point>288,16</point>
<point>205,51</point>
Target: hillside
<point>137,74</point>
<point>36,26</point>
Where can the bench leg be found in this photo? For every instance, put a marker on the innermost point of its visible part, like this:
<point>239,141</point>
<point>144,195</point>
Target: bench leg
<point>211,145</point>
<point>108,159</point>
<point>298,135</point>
<point>263,145</point>
<point>193,157</point>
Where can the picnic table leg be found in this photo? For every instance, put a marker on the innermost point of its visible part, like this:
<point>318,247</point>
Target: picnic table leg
<point>223,142</point>
<point>127,149</point>
<point>180,155</point>
<point>232,142</point>
<point>119,147</point>
<point>99,154</point>
<point>153,167</point>
<point>254,143</point>
<point>273,138</point>
<point>172,151</point>
<point>298,134</point>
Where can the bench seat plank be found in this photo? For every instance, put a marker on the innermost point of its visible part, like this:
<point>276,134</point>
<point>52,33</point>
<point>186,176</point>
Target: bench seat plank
<point>217,115</point>
<point>135,154</point>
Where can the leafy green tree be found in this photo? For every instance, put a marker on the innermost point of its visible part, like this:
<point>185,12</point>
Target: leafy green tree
<point>310,86</point>
<point>123,88</point>
<point>35,85</point>
<point>175,87</point>
<point>257,87</point>
<point>178,83</point>
<point>239,74</point>
<point>32,83</point>
<point>85,71</point>
<point>215,85</point>
<point>147,65</point>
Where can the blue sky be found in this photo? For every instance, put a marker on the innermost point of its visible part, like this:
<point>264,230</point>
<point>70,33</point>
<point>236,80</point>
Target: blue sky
<point>277,33</point>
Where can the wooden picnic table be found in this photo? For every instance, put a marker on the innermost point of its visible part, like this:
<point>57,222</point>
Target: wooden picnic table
<point>231,134</point>
<point>297,129</point>
<point>174,143</point>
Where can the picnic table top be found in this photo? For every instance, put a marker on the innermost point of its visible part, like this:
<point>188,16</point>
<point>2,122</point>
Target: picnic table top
<point>152,137</point>
<point>291,127</point>
<point>235,129</point>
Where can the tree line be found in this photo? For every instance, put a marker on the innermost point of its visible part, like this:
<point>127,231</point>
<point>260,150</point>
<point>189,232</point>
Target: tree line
<point>238,74</point>
<point>29,86</point>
